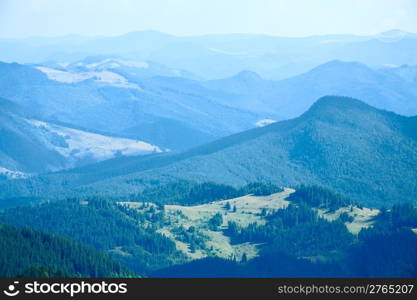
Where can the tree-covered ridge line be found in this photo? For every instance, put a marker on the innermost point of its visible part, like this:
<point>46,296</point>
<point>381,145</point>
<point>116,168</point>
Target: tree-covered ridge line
<point>185,192</point>
<point>319,197</point>
<point>30,253</point>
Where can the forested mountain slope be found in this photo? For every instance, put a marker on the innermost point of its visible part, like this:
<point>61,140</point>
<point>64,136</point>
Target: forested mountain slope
<point>30,253</point>
<point>365,153</point>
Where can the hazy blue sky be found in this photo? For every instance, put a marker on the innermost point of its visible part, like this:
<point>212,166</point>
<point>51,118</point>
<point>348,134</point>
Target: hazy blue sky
<point>22,18</point>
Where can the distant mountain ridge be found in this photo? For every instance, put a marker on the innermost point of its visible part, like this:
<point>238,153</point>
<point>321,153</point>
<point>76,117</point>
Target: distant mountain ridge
<point>120,103</point>
<point>219,56</point>
<point>392,89</point>
<point>178,112</point>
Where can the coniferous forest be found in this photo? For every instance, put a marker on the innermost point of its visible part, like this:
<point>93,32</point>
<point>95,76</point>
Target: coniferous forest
<point>111,238</point>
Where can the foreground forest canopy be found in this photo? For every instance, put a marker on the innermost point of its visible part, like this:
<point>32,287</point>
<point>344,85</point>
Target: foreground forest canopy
<point>30,253</point>
<point>310,233</point>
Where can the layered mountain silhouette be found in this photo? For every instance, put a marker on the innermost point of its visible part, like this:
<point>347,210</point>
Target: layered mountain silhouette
<point>113,96</point>
<point>117,102</point>
<point>219,56</point>
<point>343,143</point>
<point>392,89</point>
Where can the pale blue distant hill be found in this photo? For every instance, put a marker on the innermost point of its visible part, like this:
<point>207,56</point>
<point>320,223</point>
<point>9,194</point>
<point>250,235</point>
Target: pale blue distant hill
<point>117,101</point>
<point>219,56</point>
<point>390,88</point>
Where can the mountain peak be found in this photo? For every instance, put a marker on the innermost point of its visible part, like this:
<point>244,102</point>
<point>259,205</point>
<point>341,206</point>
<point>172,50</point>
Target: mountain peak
<point>337,70</point>
<point>147,34</point>
<point>340,64</point>
<point>394,33</point>
<point>330,104</point>
<point>247,75</point>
